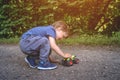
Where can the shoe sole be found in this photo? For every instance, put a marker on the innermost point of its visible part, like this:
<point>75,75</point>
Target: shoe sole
<point>29,63</point>
<point>49,68</point>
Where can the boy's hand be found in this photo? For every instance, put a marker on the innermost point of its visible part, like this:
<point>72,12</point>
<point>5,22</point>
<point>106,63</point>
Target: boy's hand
<point>67,55</point>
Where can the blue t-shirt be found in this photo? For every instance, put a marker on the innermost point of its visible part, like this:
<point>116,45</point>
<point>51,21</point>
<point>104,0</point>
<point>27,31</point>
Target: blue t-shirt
<point>41,31</point>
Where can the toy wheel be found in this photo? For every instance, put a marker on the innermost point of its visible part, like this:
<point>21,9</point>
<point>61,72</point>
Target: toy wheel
<point>67,62</point>
<point>70,63</point>
<point>76,61</point>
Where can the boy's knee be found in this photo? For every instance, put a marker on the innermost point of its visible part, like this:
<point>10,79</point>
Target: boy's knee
<point>45,40</point>
<point>45,43</point>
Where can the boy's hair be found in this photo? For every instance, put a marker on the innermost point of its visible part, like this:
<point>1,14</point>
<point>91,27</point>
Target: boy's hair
<point>64,27</point>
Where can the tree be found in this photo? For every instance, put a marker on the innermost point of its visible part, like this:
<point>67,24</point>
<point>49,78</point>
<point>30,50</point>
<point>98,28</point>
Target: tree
<point>83,16</point>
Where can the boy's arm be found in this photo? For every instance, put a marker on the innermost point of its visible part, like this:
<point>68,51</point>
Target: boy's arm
<point>56,48</point>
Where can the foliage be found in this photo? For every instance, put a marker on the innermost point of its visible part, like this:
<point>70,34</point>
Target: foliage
<point>83,16</point>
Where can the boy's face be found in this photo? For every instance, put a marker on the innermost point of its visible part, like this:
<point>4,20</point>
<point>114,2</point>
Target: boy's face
<point>60,34</point>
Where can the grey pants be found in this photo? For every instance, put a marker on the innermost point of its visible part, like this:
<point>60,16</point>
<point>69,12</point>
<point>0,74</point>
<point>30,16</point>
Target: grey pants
<point>36,46</point>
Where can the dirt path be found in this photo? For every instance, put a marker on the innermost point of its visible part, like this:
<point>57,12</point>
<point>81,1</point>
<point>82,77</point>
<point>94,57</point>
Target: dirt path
<point>96,63</point>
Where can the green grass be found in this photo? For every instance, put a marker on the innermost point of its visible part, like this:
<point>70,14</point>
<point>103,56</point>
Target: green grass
<point>78,40</point>
<point>91,40</point>
<point>9,41</point>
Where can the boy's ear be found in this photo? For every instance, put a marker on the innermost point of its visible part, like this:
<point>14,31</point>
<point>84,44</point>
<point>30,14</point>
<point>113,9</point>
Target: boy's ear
<point>59,28</point>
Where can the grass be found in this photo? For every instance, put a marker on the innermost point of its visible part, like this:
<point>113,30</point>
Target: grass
<point>9,41</point>
<point>77,40</point>
<point>91,40</point>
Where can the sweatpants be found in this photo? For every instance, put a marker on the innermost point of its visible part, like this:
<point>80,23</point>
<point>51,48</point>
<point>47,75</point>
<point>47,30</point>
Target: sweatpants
<point>36,46</point>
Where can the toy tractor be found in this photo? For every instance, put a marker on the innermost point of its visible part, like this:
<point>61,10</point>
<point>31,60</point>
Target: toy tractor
<point>70,61</point>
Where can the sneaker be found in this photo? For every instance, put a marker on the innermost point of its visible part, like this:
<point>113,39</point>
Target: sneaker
<point>30,61</point>
<point>46,66</point>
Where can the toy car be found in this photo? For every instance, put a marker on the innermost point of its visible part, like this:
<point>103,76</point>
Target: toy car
<point>67,62</point>
<point>70,61</point>
<point>74,59</point>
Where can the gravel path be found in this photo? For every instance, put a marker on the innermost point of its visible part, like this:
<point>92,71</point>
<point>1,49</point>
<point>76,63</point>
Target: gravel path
<point>96,63</point>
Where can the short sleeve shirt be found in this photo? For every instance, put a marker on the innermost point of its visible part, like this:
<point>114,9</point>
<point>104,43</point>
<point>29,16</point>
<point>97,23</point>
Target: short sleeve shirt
<point>41,31</point>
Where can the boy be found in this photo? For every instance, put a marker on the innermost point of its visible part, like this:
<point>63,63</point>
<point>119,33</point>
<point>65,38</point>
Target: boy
<point>39,41</point>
